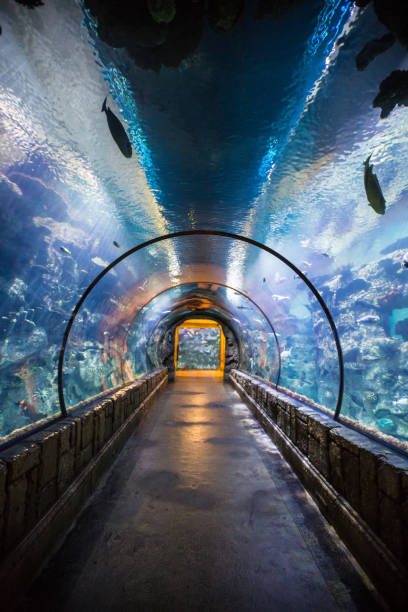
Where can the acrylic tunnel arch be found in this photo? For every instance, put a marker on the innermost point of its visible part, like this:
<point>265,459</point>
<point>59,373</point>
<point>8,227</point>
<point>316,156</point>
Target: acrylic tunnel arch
<point>244,295</point>
<point>208,235</point>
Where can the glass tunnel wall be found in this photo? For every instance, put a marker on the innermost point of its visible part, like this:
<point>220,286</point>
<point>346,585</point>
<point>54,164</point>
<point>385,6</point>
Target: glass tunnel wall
<point>269,143</point>
<point>121,324</point>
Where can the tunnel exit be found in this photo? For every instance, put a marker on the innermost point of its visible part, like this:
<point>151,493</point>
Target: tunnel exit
<point>199,348</point>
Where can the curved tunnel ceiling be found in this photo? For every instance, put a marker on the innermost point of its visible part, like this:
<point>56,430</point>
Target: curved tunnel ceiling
<point>261,128</point>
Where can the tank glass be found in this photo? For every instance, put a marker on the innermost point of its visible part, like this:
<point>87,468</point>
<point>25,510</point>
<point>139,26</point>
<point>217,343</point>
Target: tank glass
<point>198,349</point>
<point>282,128</point>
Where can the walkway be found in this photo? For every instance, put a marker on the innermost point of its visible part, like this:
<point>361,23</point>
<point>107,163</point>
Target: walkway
<point>200,513</point>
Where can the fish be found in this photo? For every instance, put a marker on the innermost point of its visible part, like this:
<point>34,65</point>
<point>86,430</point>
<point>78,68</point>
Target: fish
<point>264,280</point>
<point>118,131</point>
<point>280,298</point>
<point>116,244</point>
<point>373,190</point>
<point>286,353</point>
<point>368,319</point>
<point>402,401</point>
<point>279,279</point>
<point>99,262</point>
<point>386,424</point>
<point>405,260</point>
<point>66,251</point>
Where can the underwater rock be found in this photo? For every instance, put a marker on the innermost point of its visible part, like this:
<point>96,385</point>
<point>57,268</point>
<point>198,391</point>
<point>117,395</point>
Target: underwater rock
<point>30,3</point>
<point>401,328</point>
<point>275,8</point>
<point>389,266</point>
<point>355,286</point>
<point>402,243</point>
<point>352,354</point>
<point>393,92</point>
<point>370,398</point>
<point>394,15</point>
<point>8,188</point>
<point>20,346</point>
<point>372,49</point>
<point>149,42</point>
<point>162,11</point>
<point>390,300</point>
<point>224,14</point>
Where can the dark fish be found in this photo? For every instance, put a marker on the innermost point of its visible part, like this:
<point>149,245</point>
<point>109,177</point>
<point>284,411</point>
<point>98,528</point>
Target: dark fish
<point>118,131</point>
<point>116,244</point>
<point>405,260</point>
<point>264,280</point>
<point>373,189</point>
<point>66,251</point>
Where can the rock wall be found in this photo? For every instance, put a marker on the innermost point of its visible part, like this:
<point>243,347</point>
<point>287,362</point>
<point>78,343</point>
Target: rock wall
<point>360,486</point>
<point>36,473</point>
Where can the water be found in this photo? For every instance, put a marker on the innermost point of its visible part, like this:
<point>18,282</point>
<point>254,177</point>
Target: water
<point>263,132</point>
<point>198,349</point>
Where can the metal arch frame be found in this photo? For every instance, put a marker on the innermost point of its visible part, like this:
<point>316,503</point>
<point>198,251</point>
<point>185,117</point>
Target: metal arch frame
<point>201,233</point>
<point>232,289</point>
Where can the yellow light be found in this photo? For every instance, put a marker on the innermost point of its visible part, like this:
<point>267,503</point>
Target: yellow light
<point>201,324</point>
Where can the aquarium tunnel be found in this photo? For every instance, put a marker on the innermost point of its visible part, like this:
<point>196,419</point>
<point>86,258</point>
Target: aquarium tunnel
<point>208,194</point>
<point>120,329</point>
<point>198,134</point>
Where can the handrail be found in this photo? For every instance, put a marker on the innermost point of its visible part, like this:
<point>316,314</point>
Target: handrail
<point>201,233</point>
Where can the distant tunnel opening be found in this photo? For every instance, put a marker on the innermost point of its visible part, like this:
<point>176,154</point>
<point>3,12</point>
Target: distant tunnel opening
<point>199,348</point>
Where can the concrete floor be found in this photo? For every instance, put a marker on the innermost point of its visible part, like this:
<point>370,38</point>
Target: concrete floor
<point>200,513</point>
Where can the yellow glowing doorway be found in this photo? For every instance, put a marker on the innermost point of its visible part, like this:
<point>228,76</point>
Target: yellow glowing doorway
<point>200,324</point>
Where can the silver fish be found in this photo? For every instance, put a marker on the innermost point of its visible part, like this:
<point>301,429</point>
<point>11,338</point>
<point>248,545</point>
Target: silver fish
<point>402,401</point>
<point>368,319</point>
